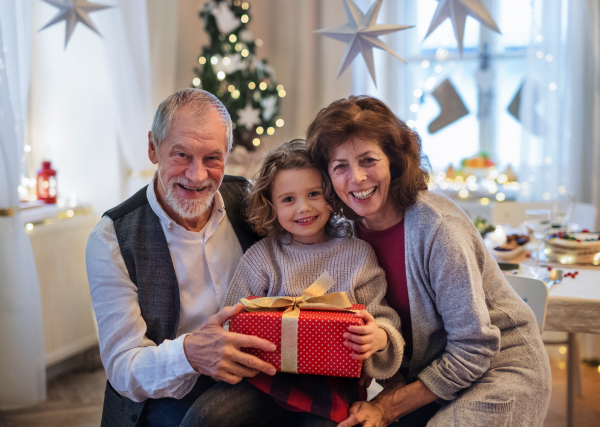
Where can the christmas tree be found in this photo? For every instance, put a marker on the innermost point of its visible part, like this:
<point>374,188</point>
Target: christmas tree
<point>230,70</point>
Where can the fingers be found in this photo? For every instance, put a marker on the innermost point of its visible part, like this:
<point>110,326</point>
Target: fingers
<point>366,316</point>
<point>241,340</point>
<point>351,421</point>
<point>254,363</point>
<point>225,313</point>
<point>359,339</point>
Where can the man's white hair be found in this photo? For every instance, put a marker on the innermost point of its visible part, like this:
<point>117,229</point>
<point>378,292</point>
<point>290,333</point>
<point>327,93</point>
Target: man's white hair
<point>199,100</point>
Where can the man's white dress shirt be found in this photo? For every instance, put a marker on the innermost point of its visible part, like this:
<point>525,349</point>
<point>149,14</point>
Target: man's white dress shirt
<point>204,264</point>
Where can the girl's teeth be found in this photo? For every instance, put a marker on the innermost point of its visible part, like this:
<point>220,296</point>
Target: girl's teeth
<point>364,194</point>
<point>306,220</point>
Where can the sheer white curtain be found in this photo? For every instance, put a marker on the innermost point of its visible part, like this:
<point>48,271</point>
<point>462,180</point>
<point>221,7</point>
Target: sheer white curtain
<point>22,371</point>
<point>127,45</point>
<point>560,149</point>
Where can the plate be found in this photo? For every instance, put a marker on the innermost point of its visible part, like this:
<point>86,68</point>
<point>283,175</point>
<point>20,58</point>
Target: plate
<point>508,255</point>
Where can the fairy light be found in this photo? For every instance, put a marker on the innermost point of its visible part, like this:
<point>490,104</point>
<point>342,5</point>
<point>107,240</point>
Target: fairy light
<point>418,93</point>
<point>232,38</point>
<point>425,64</point>
<point>262,86</point>
<point>282,93</point>
<point>29,226</point>
<point>271,130</point>
<point>231,88</point>
<point>414,108</point>
<point>221,75</point>
<point>256,142</point>
<point>235,94</point>
<point>245,5</point>
<point>258,42</point>
<point>70,213</point>
<point>484,201</point>
<point>279,123</point>
<point>202,60</point>
<point>226,60</point>
<point>214,60</point>
<point>251,85</point>
<point>259,130</point>
<point>500,197</point>
<point>244,19</point>
<point>196,82</point>
<point>238,47</point>
<point>245,52</point>
<point>279,87</point>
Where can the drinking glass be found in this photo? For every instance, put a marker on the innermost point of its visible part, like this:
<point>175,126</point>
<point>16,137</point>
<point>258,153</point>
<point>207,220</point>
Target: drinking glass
<point>537,222</point>
<point>562,208</point>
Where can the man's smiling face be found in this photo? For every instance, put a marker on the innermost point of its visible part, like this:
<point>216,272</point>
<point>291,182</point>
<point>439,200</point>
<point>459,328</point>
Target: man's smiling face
<point>191,163</point>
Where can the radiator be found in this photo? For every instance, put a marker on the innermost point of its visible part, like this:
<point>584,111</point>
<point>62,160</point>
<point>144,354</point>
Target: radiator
<point>59,250</point>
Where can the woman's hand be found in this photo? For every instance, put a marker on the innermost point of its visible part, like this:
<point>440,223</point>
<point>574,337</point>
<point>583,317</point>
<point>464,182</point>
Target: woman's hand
<point>367,414</point>
<point>365,340</point>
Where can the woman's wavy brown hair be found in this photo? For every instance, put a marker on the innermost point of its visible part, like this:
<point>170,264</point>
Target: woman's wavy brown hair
<point>261,212</point>
<point>369,119</point>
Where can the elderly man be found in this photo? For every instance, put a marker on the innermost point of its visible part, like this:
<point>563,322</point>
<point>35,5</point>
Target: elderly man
<point>159,265</point>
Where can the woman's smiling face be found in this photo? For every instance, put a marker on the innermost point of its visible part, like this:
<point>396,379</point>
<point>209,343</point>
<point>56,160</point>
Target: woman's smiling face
<point>360,173</point>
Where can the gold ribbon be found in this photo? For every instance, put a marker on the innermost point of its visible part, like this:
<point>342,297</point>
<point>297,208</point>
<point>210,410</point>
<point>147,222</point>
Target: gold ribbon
<point>313,298</point>
<point>7,211</point>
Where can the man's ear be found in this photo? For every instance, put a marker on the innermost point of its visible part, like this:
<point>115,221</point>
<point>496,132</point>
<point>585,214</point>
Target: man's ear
<point>152,155</point>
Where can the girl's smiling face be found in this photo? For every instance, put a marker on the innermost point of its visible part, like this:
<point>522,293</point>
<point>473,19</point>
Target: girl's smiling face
<point>300,204</point>
<point>360,173</point>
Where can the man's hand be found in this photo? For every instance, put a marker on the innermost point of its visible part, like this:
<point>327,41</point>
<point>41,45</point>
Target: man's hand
<point>367,414</point>
<point>365,340</point>
<point>215,352</point>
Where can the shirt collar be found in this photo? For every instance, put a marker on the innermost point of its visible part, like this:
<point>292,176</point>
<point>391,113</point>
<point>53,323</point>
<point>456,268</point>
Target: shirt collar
<point>218,211</point>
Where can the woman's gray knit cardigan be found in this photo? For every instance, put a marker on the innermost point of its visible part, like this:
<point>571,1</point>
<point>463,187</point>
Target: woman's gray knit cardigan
<point>476,344</point>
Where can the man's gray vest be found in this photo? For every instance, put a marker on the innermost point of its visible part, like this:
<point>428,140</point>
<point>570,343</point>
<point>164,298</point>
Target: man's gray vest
<point>146,254</point>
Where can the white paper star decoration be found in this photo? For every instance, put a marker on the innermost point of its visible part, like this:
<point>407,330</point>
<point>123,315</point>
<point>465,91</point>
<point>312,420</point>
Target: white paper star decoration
<point>248,117</point>
<point>72,12</point>
<point>457,11</point>
<point>361,35</point>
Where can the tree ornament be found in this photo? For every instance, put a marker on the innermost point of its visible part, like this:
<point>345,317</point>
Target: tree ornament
<point>230,70</point>
<point>361,34</point>
<point>248,117</point>
<point>72,12</point>
<point>457,11</point>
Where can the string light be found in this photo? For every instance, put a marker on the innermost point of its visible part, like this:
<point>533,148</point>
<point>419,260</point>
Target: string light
<point>245,53</point>
<point>238,47</point>
<point>29,226</point>
<point>221,75</point>
<point>258,42</point>
<point>244,19</point>
<point>279,87</point>
<point>282,93</point>
<point>251,85</point>
<point>235,94</point>
<point>418,93</point>
<point>202,60</point>
<point>226,60</point>
<point>256,142</point>
<point>262,86</point>
<point>259,130</point>
<point>231,88</point>
<point>70,213</point>
<point>271,130</point>
<point>232,38</point>
<point>245,5</point>
<point>214,60</point>
<point>425,64</point>
<point>279,123</point>
<point>196,82</point>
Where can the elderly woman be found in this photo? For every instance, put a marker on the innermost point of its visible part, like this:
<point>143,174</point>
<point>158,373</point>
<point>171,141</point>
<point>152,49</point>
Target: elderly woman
<point>473,356</point>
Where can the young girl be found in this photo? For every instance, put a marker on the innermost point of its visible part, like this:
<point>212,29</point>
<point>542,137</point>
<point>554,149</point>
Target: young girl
<point>290,203</point>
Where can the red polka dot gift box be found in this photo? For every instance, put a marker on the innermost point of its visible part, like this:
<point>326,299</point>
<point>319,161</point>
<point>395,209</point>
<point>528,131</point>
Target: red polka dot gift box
<point>318,347</point>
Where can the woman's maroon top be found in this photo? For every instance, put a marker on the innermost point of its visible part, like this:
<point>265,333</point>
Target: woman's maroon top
<point>389,248</point>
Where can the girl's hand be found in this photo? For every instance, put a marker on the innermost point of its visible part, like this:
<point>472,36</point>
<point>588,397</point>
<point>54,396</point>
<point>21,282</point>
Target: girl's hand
<point>365,340</point>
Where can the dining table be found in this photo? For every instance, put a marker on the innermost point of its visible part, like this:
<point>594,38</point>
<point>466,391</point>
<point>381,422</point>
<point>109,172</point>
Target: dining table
<point>573,307</point>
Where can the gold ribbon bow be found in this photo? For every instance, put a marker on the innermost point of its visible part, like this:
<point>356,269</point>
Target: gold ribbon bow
<point>313,298</point>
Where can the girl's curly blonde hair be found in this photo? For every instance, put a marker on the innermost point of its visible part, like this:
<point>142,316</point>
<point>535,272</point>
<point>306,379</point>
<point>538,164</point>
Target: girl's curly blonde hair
<point>261,212</point>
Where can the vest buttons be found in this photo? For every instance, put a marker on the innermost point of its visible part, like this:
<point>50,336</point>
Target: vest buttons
<point>134,418</point>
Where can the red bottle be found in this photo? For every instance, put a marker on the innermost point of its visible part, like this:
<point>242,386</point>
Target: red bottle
<point>46,183</point>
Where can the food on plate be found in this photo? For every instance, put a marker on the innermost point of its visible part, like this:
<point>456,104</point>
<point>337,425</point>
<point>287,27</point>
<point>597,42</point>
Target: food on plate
<point>513,242</point>
<point>574,248</point>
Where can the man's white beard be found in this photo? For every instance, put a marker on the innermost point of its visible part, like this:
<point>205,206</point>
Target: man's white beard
<point>190,208</point>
